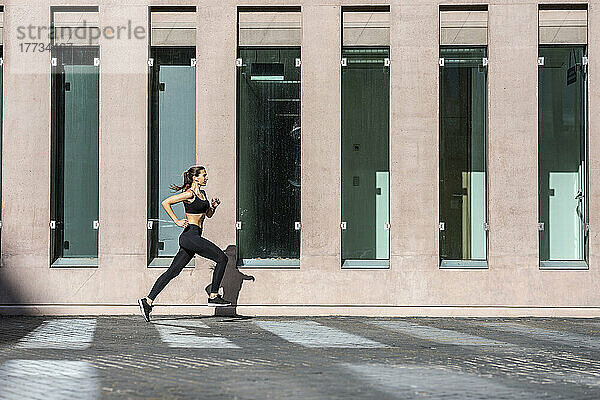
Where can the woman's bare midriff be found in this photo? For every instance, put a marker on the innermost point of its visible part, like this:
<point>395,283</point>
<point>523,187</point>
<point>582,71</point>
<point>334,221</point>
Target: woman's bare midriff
<point>196,219</point>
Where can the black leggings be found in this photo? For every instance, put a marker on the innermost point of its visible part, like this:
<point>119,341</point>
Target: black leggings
<point>190,242</point>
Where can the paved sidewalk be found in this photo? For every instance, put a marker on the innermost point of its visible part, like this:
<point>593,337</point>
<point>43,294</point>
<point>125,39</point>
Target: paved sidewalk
<point>298,358</point>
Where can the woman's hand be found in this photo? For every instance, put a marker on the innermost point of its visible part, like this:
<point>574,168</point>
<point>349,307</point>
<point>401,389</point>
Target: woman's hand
<point>214,202</point>
<point>182,223</point>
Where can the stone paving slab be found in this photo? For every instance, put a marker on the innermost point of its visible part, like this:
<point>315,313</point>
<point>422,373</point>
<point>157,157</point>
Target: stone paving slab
<point>198,357</point>
<point>48,380</point>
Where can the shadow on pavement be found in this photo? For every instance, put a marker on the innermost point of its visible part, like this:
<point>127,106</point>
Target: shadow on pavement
<point>12,324</point>
<point>10,296</point>
<point>232,282</point>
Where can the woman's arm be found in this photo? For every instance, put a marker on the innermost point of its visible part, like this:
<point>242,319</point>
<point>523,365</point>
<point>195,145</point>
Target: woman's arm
<point>176,198</point>
<point>210,212</point>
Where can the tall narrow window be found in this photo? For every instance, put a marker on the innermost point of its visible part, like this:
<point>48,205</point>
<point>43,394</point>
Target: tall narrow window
<point>172,122</point>
<point>1,99</point>
<point>562,137</point>
<point>75,123</point>
<point>365,138</point>
<point>268,137</point>
<point>463,138</point>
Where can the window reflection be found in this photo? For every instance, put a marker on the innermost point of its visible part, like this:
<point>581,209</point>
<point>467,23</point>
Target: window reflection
<point>562,153</point>
<point>463,159</point>
<point>268,153</point>
<point>365,154</point>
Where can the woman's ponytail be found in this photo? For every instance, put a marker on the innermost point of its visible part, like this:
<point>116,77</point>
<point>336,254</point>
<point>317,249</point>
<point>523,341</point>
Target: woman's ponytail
<point>188,178</point>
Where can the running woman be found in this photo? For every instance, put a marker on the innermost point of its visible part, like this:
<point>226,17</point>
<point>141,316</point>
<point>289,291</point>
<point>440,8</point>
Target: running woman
<point>197,207</point>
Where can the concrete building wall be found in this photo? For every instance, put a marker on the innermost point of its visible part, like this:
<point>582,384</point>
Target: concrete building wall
<point>412,285</point>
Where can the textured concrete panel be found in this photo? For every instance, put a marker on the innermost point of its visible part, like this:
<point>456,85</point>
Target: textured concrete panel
<point>123,138</point>
<point>26,139</point>
<point>414,132</point>
<point>216,128</point>
<point>513,180</point>
<point>321,147</point>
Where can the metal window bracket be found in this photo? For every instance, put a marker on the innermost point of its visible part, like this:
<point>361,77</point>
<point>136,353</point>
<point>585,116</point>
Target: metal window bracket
<point>540,226</point>
<point>441,62</point>
<point>540,60</point>
<point>587,226</point>
<point>238,225</point>
<point>298,62</point>
<point>0,224</point>
<point>442,226</point>
<point>344,62</point>
<point>193,62</point>
<point>486,226</point>
<point>386,62</point>
<point>52,224</point>
<point>485,61</point>
<point>343,225</point>
<point>150,224</point>
<point>54,61</point>
<point>585,60</point>
<point>297,225</point>
<point>386,226</point>
<point>95,225</point>
<point>151,62</point>
<point>1,61</point>
<point>96,61</point>
<point>238,62</point>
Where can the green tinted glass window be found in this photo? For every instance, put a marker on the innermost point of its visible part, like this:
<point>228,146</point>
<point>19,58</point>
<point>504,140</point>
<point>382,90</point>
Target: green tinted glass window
<point>1,124</point>
<point>171,142</point>
<point>365,154</point>
<point>562,153</point>
<point>75,122</point>
<point>463,154</point>
<point>268,153</point>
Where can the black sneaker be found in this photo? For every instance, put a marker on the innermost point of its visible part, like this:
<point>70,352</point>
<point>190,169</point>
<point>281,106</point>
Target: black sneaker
<point>208,288</point>
<point>218,302</point>
<point>145,308</point>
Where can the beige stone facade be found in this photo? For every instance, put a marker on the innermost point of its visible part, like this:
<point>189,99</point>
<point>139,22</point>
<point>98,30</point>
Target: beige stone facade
<point>414,284</point>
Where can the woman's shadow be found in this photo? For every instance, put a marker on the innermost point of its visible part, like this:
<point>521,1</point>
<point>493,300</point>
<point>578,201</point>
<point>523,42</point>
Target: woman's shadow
<point>231,284</point>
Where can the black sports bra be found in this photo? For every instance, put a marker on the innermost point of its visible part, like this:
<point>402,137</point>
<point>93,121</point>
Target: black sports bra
<point>198,206</point>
